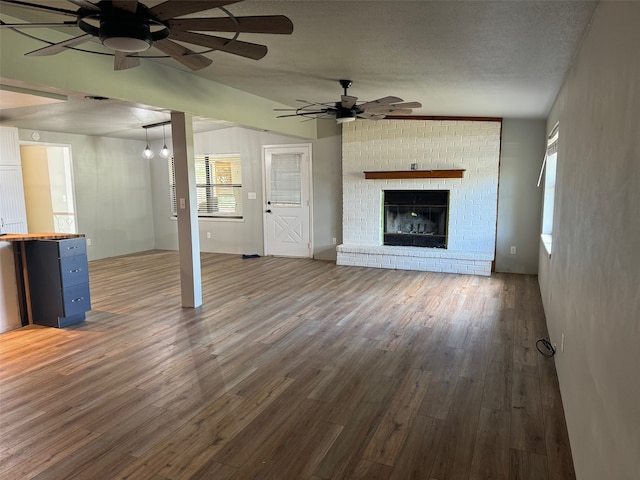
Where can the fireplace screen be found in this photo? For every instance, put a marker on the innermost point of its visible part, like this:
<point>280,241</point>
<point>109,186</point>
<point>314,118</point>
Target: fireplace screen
<point>416,218</point>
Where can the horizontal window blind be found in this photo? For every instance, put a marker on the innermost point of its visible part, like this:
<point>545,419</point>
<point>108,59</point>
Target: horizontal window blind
<point>218,185</point>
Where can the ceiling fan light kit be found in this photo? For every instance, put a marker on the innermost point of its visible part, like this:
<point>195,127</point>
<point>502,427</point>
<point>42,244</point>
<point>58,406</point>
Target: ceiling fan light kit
<point>348,109</point>
<point>344,116</point>
<point>129,27</point>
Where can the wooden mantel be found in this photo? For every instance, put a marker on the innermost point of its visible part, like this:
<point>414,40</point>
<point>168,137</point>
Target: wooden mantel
<point>457,173</point>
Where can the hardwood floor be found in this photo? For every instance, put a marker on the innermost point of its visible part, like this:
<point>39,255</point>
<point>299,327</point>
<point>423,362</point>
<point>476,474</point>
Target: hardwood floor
<point>293,369</point>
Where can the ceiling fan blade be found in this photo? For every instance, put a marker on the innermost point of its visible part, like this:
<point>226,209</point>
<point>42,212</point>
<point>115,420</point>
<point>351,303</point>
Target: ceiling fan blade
<point>301,114</point>
<point>42,8</point>
<point>85,4</point>
<point>237,47</point>
<point>186,57</point>
<point>124,61</point>
<point>325,104</point>
<point>38,25</point>
<point>276,24</point>
<point>126,5</point>
<point>348,101</point>
<point>407,105</point>
<point>388,109</point>
<point>171,9</point>
<point>371,116</point>
<point>380,101</point>
<point>396,111</point>
<point>59,47</point>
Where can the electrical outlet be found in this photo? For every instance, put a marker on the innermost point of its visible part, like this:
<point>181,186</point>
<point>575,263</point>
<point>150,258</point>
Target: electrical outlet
<point>513,250</point>
<point>208,234</point>
<point>333,240</point>
<point>88,242</point>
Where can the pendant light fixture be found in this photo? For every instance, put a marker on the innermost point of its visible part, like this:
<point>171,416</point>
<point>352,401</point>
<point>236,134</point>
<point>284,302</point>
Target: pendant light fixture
<point>164,153</point>
<point>147,152</point>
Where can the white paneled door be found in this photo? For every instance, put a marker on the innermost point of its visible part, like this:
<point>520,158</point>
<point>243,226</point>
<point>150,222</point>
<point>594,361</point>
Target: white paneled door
<point>287,201</point>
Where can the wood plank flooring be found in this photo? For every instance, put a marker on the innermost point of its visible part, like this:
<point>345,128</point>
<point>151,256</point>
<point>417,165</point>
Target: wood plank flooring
<point>293,369</point>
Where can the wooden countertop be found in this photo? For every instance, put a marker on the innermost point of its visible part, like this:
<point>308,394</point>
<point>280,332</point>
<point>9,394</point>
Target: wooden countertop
<point>18,237</point>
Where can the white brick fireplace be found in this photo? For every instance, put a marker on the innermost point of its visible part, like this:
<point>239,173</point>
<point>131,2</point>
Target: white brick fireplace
<point>392,145</point>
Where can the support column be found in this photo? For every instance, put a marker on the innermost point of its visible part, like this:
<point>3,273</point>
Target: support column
<point>186,199</point>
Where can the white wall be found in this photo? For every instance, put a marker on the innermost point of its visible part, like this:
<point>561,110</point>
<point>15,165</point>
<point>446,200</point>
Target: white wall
<point>519,207</point>
<point>246,236</point>
<point>112,192</point>
<point>591,284</point>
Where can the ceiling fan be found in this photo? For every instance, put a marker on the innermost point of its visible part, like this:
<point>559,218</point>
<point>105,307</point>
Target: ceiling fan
<point>129,27</point>
<point>348,109</point>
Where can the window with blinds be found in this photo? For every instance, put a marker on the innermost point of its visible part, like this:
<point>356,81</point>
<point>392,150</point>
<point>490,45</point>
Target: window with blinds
<point>218,186</point>
<point>285,180</point>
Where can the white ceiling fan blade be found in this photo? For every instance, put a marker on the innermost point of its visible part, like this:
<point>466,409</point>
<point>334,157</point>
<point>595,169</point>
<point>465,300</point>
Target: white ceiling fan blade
<point>59,47</point>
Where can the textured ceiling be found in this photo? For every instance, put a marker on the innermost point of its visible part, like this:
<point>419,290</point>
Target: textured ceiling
<point>458,58</point>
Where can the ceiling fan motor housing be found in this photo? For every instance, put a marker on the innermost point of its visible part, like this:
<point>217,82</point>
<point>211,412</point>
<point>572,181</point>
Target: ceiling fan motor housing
<point>122,30</point>
<point>345,114</point>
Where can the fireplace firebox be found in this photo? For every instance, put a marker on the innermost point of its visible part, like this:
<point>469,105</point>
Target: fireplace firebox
<point>416,218</point>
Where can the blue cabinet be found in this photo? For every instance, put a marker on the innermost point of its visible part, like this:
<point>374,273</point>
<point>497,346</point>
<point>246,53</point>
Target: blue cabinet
<point>58,281</point>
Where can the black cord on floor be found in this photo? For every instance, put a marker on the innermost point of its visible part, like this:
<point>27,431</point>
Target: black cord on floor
<point>547,349</point>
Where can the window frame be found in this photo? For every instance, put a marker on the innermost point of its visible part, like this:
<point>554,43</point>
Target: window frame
<point>212,188</point>
<point>549,168</point>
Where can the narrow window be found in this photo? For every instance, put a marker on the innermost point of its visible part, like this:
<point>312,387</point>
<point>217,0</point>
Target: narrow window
<point>549,166</point>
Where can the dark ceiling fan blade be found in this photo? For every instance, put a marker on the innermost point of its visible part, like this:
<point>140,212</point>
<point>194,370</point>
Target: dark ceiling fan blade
<point>380,101</point>
<point>275,24</point>
<point>126,5</point>
<point>176,8</point>
<point>124,61</point>
<point>302,114</point>
<point>40,8</point>
<point>347,101</point>
<point>85,4</point>
<point>38,25</point>
<point>237,47</point>
<point>325,104</point>
<point>186,57</point>
<point>59,47</point>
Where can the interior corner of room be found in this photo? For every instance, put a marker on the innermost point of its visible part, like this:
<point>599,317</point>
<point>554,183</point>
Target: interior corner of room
<point>574,233</point>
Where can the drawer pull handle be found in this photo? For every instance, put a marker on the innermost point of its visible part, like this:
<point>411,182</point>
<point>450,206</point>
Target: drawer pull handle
<point>75,270</point>
<point>77,299</point>
<point>72,248</point>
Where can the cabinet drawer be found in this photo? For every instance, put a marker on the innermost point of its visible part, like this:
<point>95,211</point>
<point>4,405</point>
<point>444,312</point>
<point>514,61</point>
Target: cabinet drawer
<point>76,299</point>
<point>72,246</point>
<point>74,270</point>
